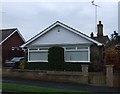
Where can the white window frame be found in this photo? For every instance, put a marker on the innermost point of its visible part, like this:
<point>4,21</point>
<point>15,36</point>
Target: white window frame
<point>65,50</point>
<point>37,50</point>
<point>76,49</point>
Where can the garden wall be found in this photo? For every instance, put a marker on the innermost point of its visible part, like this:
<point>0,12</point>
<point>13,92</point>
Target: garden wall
<point>44,76</point>
<point>94,78</point>
<point>77,77</point>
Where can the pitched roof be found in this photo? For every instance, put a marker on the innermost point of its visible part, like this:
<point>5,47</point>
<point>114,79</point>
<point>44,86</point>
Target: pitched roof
<point>6,33</point>
<point>65,26</point>
<point>103,39</point>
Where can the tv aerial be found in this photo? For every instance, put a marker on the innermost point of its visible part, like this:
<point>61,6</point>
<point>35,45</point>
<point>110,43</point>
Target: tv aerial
<point>96,6</point>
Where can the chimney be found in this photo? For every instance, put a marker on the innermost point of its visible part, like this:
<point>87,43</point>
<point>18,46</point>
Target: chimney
<point>100,29</point>
<point>91,35</point>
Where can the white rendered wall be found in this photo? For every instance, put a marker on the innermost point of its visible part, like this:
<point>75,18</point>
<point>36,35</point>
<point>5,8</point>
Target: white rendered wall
<point>60,35</point>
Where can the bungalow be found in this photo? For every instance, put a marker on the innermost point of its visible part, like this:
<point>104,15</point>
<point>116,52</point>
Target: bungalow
<point>76,44</point>
<point>10,41</point>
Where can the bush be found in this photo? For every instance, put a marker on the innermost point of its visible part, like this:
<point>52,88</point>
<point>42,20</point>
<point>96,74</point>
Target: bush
<point>23,64</point>
<point>37,66</point>
<point>56,58</point>
<point>112,57</point>
<point>97,64</point>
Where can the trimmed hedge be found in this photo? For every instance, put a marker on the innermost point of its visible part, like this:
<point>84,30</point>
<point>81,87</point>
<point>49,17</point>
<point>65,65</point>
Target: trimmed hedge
<point>68,66</point>
<point>56,58</point>
<point>37,66</point>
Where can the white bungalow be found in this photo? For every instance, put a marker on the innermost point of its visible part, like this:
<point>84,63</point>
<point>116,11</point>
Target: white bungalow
<point>76,44</point>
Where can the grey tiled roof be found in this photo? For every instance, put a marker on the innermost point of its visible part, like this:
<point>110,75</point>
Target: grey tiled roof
<point>4,33</point>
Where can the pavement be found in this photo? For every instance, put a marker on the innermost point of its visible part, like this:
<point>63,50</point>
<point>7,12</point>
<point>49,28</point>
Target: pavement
<point>69,86</point>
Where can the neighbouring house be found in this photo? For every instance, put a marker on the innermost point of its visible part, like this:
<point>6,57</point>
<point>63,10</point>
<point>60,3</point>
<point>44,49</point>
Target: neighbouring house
<point>98,53</point>
<point>10,43</point>
<point>108,54</point>
<point>104,39</point>
<point>76,44</point>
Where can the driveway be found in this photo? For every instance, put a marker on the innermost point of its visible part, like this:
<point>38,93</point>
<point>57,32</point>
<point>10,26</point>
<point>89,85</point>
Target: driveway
<point>69,86</point>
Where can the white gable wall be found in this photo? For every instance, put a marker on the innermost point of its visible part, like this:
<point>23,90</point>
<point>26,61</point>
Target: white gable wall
<point>60,35</point>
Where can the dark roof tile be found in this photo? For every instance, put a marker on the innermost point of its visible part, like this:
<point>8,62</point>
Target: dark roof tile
<point>6,32</point>
<point>103,39</point>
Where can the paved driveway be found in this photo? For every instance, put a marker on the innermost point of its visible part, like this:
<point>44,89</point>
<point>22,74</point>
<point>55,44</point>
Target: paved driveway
<point>69,86</point>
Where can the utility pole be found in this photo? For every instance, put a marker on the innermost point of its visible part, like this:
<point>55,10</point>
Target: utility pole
<point>119,18</point>
<point>96,6</point>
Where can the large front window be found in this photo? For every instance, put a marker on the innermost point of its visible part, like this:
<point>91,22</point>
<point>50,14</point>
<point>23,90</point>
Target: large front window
<point>77,54</point>
<point>38,55</point>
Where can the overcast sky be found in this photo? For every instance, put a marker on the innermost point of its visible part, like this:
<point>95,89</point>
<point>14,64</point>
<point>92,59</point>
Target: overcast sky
<point>32,17</point>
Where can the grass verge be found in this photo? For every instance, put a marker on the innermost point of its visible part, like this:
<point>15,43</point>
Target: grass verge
<point>27,88</point>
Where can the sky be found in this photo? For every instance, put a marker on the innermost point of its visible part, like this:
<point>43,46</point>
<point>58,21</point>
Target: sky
<point>31,17</point>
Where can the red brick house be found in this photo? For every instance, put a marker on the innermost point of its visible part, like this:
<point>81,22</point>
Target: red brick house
<point>98,53</point>
<point>10,42</point>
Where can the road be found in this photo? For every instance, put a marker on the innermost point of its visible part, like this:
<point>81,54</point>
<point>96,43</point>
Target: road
<point>60,85</point>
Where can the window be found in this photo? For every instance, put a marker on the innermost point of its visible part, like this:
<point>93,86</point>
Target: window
<point>15,49</point>
<point>37,55</point>
<point>72,54</point>
<point>45,49</point>
<point>33,49</point>
<point>80,54</point>
<point>70,48</point>
<point>76,56</point>
<point>82,48</point>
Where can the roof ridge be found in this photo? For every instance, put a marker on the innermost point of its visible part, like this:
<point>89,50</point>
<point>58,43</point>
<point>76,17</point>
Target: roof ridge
<point>63,25</point>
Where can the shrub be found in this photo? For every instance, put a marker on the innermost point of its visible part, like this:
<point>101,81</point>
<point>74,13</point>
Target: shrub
<point>37,66</point>
<point>22,64</point>
<point>56,58</point>
<point>97,64</point>
<point>112,57</point>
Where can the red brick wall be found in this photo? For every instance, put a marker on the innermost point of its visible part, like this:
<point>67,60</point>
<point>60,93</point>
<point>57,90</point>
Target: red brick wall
<point>14,41</point>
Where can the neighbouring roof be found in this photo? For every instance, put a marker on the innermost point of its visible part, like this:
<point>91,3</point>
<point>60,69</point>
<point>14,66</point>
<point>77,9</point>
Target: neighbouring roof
<point>7,33</point>
<point>62,25</point>
<point>103,39</point>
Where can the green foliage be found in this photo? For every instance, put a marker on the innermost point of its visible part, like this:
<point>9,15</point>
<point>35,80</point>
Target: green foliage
<point>68,66</point>
<point>96,64</point>
<point>112,57</point>
<point>56,58</point>
<point>72,66</point>
<point>23,64</point>
<point>95,56</point>
<point>37,66</point>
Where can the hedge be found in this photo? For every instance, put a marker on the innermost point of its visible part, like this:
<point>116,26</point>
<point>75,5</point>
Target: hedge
<point>56,58</point>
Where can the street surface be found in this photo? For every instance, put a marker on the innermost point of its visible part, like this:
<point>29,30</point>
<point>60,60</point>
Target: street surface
<point>60,85</point>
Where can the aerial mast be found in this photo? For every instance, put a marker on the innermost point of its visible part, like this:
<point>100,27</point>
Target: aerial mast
<point>96,6</point>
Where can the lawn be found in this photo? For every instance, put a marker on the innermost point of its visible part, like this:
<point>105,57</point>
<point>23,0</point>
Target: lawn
<point>27,88</point>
